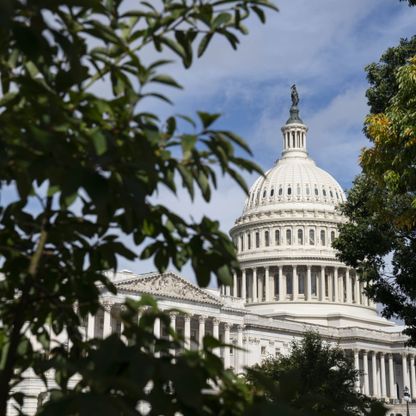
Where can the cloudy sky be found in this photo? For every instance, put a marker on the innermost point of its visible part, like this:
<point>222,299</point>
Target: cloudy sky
<point>323,47</point>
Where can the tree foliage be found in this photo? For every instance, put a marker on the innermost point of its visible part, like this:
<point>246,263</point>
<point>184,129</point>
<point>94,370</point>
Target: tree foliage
<point>380,238</point>
<point>315,378</point>
<point>82,157</point>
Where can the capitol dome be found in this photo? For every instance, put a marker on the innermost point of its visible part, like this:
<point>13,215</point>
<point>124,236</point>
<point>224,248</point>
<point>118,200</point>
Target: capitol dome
<point>284,242</point>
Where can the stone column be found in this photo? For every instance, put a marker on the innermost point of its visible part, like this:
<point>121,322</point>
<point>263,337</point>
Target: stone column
<point>157,328</point>
<point>235,285</point>
<point>322,284</point>
<point>404,370</point>
<point>383,375</point>
<point>357,368</point>
<point>267,283</point>
<point>201,331</point>
<point>272,285</point>
<point>336,287</point>
<point>365,370</point>
<point>91,326</point>
<point>187,332</point>
<point>295,283</point>
<point>357,294</point>
<point>216,332</point>
<point>226,348</point>
<point>260,288</point>
<point>413,376</point>
<point>392,390</point>
<point>255,297</point>
<point>308,292</point>
<point>240,352</point>
<point>173,327</point>
<point>374,373</point>
<point>282,286</point>
<point>244,285</point>
<point>227,290</point>
<point>349,286</point>
<point>107,323</point>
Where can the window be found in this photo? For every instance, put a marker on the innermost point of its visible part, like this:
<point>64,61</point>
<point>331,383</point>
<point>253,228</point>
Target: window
<point>277,237</point>
<point>332,236</point>
<point>298,190</point>
<point>257,239</point>
<point>288,237</point>
<point>300,237</point>
<point>280,191</point>
<point>331,194</point>
<point>307,190</point>
<point>264,193</point>
<point>301,283</point>
<point>316,191</point>
<point>266,239</point>
<point>323,242</point>
<point>242,243</point>
<point>263,350</point>
<point>248,241</point>
<point>289,190</point>
<point>323,192</point>
<point>312,237</point>
<point>272,192</point>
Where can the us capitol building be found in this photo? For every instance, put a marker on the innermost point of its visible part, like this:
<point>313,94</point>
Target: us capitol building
<point>290,282</point>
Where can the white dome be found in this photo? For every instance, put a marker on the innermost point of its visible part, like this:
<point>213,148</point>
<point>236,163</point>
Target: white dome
<point>294,180</point>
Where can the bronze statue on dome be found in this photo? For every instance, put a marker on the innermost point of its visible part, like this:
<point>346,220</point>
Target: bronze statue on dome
<point>294,95</point>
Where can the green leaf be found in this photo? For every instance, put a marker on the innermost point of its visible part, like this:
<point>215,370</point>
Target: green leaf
<point>221,19</point>
<point>167,80</point>
<point>207,119</point>
<point>204,44</point>
<point>100,142</point>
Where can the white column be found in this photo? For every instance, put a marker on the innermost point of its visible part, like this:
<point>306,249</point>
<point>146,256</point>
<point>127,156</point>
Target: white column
<point>322,284</point>
<point>201,331</point>
<point>156,328</point>
<point>243,285</point>
<point>107,323</point>
<point>404,370</point>
<point>282,286</point>
<point>413,376</point>
<point>336,286</point>
<point>272,285</point>
<point>173,327</point>
<point>235,286</point>
<point>392,389</point>
<point>365,369</point>
<point>267,283</point>
<point>255,296</point>
<point>295,283</point>
<point>357,294</point>
<point>216,333</point>
<point>260,288</point>
<point>308,292</point>
<point>91,326</point>
<point>374,373</point>
<point>357,368</point>
<point>383,375</point>
<point>349,286</point>
<point>226,348</point>
<point>187,332</point>
<point>240,352</point>
<point>227,290</point>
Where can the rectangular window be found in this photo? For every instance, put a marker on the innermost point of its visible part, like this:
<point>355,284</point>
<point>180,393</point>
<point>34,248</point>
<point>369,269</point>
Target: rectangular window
<point>312,237</point>
<point>323,242</point>
<point>277,237</point>
<point>288,237</point>
<point>266,239</point>
<point>257,239</point>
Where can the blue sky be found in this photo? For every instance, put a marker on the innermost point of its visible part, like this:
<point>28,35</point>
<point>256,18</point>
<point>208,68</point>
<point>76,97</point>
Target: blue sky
<point>323,46</point>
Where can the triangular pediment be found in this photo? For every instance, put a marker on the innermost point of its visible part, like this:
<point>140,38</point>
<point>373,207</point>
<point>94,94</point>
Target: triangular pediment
<point>167,285</point>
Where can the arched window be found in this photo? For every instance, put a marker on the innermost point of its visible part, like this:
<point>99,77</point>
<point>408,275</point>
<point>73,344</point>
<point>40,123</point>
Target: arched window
<point>248,241</point>
<point>323,242</point>
<point>257,239</point>
<point>331,194</point>
<point>242,243</point>
<point>266,239</point>
<point>264,193</point>
<point>300,237</point>
<point>272,192</point>
<point>332,236</point>
<point>277,237</point>
<point>312,237</point>
<point>323,192</point>
<point>280,191</point>
<point>316,191</point>
<point>288,237</point>
<point>289,190</point>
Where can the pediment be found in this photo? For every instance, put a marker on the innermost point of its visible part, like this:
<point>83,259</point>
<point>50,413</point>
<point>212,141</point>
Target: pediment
<point>167,285</point>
